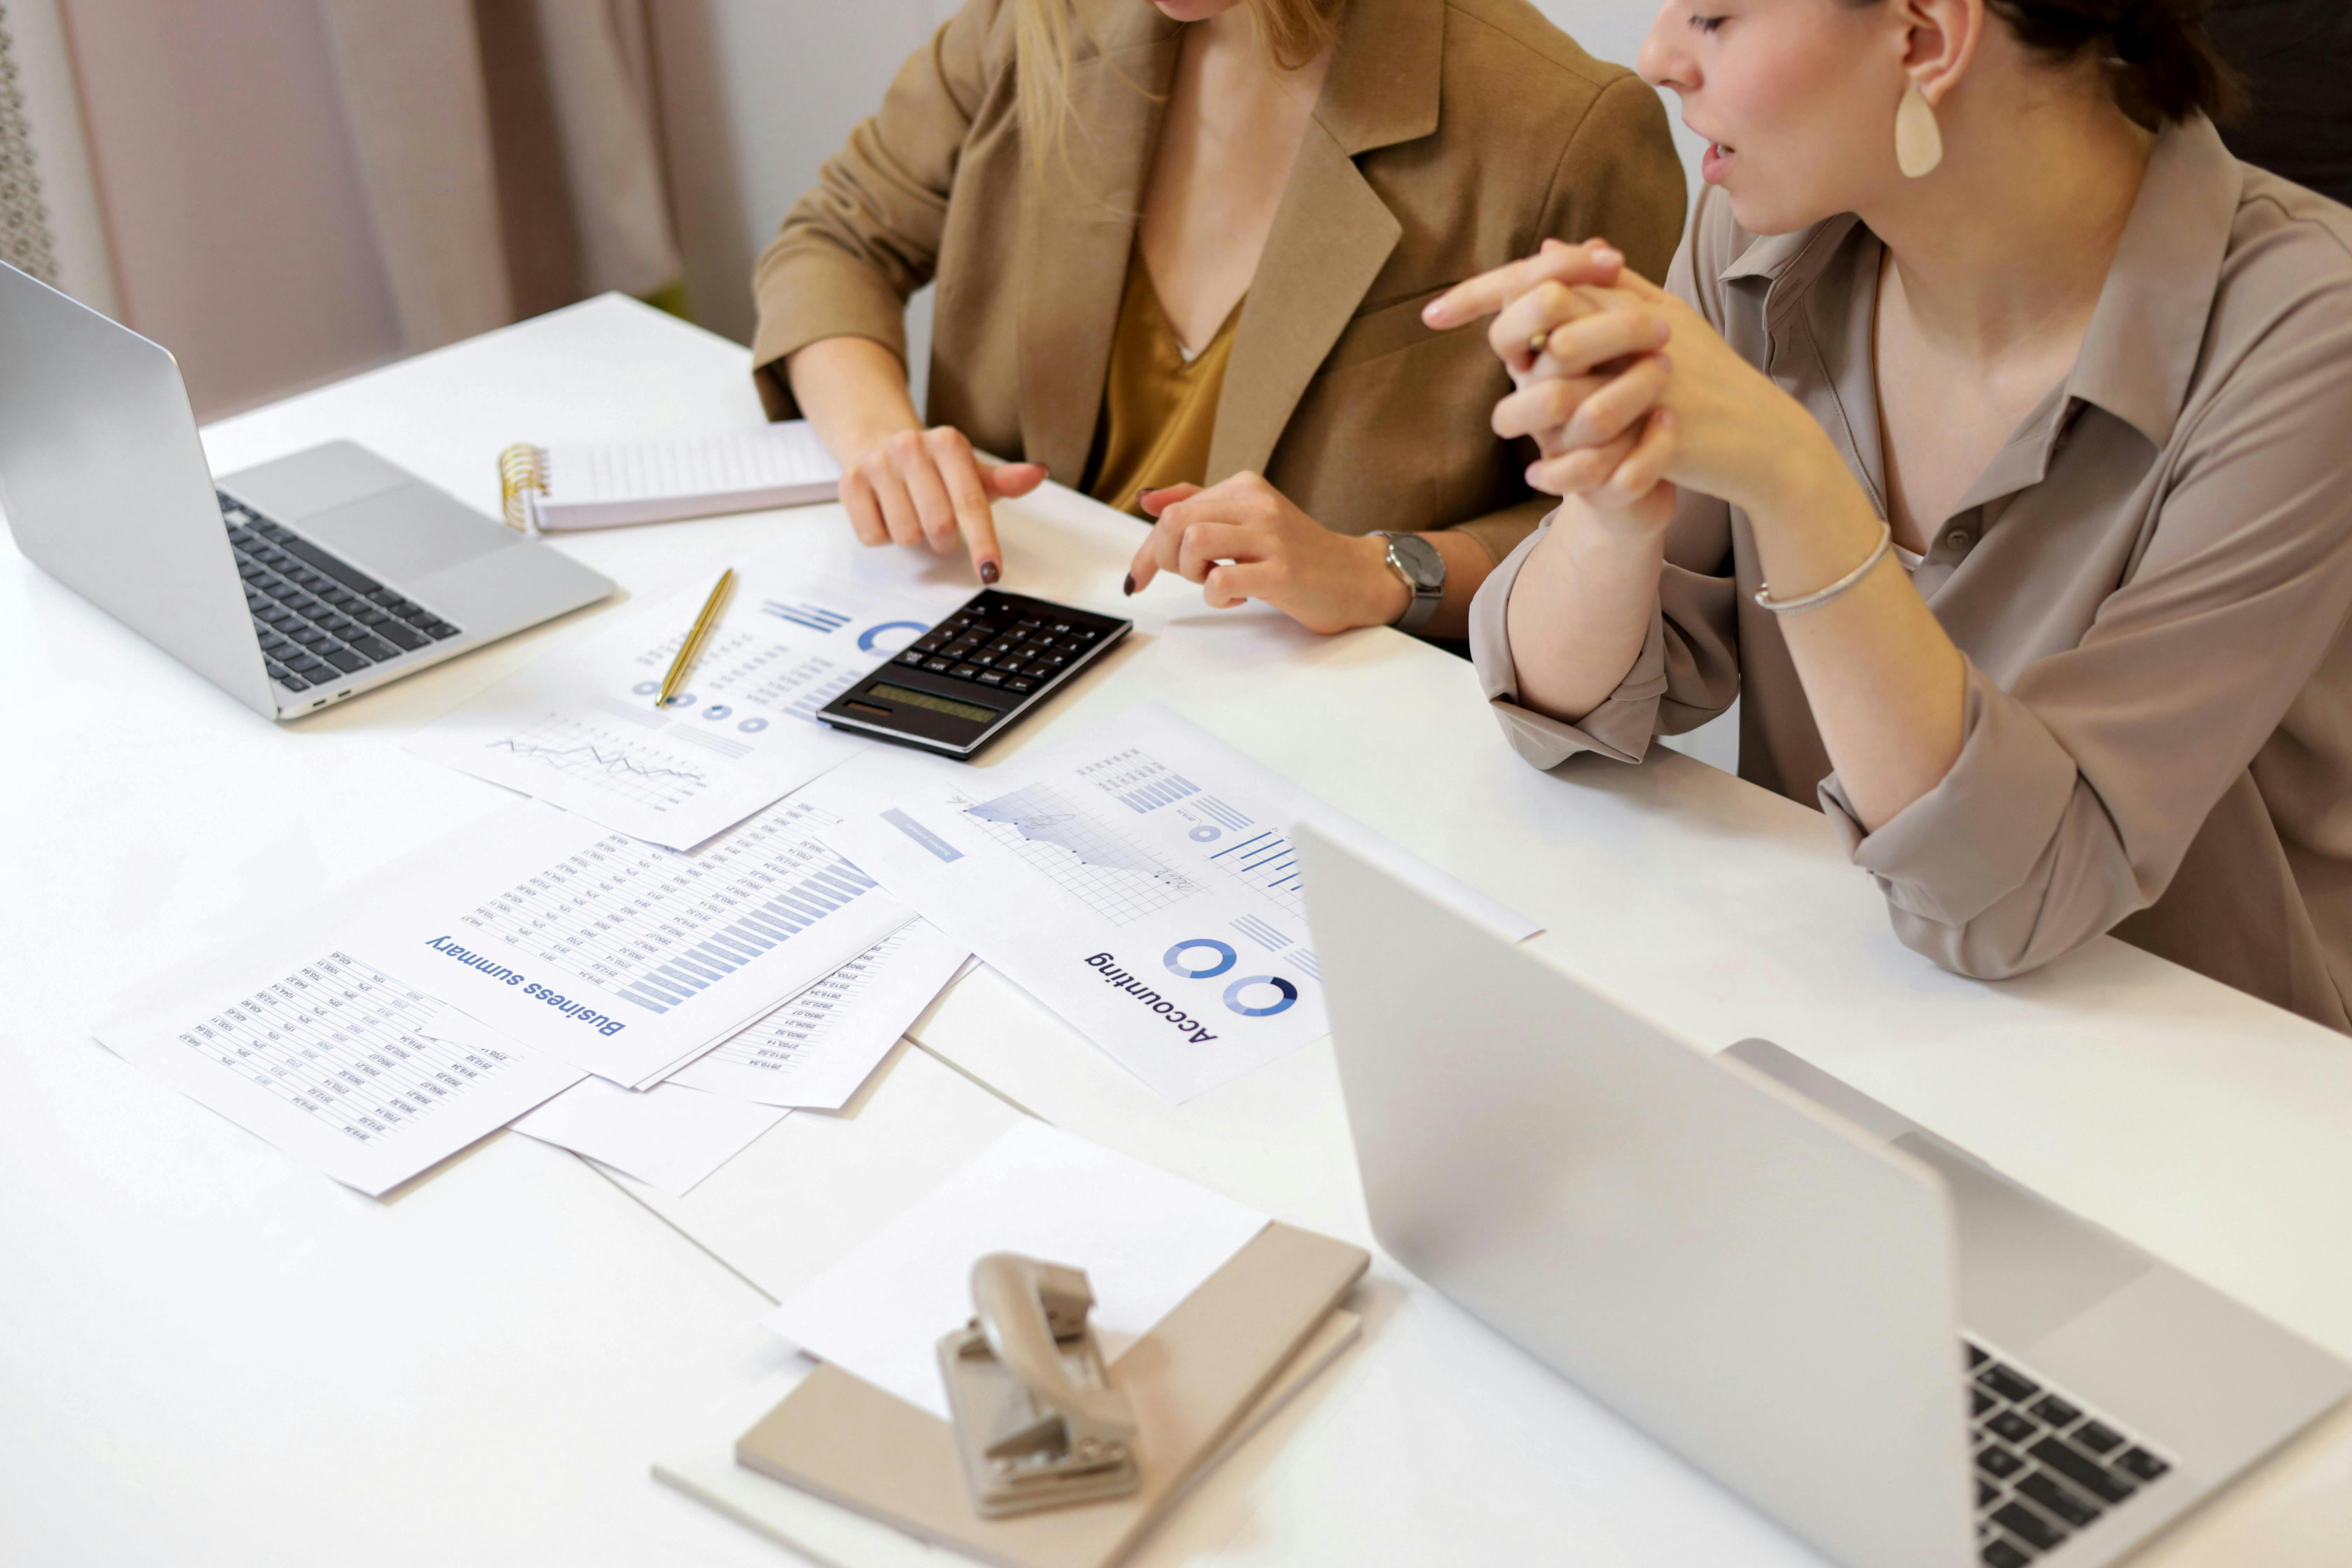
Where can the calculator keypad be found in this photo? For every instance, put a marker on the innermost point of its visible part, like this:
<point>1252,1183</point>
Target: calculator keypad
<point>1000,645</point>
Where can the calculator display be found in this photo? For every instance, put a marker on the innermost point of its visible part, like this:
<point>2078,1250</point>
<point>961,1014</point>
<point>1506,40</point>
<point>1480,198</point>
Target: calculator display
<point>936,704</point>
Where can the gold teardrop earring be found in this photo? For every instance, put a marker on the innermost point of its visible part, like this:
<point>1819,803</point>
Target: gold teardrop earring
<point>1919,140</point>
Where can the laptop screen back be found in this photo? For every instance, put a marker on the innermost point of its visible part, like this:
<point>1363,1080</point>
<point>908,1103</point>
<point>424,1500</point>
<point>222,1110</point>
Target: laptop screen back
<point>1759,1287</point>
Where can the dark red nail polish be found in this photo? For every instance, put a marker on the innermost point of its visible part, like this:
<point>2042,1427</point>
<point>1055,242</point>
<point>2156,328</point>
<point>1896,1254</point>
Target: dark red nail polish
<point>1128,587</point>
<point>990,571</point>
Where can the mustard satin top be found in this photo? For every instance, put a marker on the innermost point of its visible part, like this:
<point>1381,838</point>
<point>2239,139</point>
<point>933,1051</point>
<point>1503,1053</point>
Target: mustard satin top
<point>1159,408</point>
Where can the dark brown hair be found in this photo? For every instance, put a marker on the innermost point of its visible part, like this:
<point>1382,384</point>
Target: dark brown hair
<point>2160,64</point>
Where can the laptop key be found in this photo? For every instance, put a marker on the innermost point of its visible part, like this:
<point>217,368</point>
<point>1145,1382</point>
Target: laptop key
<point>2011,1427</point>
<point>1986,1492</point>
<point>403,638</point>
<point>2057,1502</point>
<point>2086,1473</point>
<point>1979,1402</point>
<point>2098,1438</point>
<point>2141,1463</point>
<point>333,566</point>
<point>439,631</point>
<point>2004,1554</point>
<point>2030,1527</point>
<point>349,660</point>
<point>2054,1410</point>
<point>2008,1383</point>
<point>1998,1462</point>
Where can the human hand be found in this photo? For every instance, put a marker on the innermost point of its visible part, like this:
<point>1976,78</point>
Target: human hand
<point>928,487</point>
<point>1243,538</point>
<point>1613,355</point>
<point>1596,261</point>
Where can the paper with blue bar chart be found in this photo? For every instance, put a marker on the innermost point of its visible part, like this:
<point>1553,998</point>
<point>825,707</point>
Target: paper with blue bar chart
<point>581,729</point>
<point>620,957</point>
<point>1138,879</point>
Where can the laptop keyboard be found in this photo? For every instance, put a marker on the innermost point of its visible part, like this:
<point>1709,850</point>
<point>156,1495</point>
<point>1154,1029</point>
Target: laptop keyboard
<point>2045,1467</point>
<point>319,617</point>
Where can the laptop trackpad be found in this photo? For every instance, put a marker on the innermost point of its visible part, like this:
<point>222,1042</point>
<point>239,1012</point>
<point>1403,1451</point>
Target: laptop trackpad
<point>2027,1267</point>
<point>405,534</point>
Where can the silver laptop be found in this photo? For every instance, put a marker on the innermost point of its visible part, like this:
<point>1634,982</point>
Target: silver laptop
<point>1899,1355</point>
<point>290,585</point>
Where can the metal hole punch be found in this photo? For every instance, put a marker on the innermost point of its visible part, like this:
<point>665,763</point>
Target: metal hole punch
<point>1037,1419</point>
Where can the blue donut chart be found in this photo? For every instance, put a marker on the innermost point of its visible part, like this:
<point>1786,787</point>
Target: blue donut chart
<point>1234,994</point>
<point>872,634</point>
<point>1226,959</point>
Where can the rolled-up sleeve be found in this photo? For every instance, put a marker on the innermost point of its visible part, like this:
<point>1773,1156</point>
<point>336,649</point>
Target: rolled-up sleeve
<point>854,249</point>
<point>1619,728</point>
<point>2079,790</point>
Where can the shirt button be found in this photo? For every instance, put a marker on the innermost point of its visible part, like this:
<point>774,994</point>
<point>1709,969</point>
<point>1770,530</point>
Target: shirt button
<point>1958,540</point>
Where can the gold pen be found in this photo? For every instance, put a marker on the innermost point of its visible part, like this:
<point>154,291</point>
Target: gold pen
<point>691,649</point>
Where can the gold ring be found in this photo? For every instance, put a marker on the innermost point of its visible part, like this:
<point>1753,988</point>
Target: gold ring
<point>1540,341</point>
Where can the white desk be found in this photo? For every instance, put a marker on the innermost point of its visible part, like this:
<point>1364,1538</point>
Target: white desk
<point>208,1354</point>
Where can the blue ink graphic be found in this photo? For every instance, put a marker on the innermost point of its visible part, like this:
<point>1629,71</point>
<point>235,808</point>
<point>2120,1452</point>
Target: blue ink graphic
<point>1226,959</point>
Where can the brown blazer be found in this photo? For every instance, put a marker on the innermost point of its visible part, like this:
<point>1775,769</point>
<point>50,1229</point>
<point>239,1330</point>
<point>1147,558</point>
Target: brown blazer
<point>1336,392</point>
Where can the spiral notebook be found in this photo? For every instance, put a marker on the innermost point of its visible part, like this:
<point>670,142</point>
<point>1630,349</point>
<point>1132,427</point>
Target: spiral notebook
<point>606,484</point>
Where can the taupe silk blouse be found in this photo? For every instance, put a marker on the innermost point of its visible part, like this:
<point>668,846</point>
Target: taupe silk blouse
<point>2150,581</point>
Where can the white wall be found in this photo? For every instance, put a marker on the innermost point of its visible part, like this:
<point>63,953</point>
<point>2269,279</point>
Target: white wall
<point>756,95</point>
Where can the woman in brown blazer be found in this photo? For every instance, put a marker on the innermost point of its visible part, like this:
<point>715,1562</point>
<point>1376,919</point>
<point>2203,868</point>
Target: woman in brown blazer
<point>1182,249</point>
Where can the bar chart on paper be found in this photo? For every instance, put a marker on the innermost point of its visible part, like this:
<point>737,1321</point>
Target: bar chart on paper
<point>815,1050</point>
<point>620,956</point>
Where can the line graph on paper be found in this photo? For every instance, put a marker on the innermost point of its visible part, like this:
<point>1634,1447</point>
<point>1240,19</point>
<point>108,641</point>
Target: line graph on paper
<point>629,766</point>
<point>1094,859</point>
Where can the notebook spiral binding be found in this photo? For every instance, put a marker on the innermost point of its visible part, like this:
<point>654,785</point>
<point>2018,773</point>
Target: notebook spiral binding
<point>522,480</point>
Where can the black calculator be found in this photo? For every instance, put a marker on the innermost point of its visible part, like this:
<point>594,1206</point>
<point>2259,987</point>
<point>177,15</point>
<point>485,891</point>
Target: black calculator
<point>976,674</point>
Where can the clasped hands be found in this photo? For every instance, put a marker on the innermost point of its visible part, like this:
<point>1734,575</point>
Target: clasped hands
<point>1631,393</point>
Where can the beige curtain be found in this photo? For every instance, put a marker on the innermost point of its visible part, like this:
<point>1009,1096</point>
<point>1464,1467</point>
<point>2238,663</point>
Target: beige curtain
<point>294,190</point>
<point>508,154</point>
<point>24,241</point>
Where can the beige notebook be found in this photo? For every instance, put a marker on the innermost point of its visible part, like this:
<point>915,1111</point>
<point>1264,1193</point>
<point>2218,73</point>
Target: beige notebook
<point>1193,1380</point>
<point>605,484</point>
<point>839,1537</point>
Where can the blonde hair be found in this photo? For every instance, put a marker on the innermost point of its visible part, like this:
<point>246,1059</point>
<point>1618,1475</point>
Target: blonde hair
<point>1044,41</point>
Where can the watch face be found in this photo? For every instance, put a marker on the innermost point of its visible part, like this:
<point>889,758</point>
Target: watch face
<point>1422,565</point>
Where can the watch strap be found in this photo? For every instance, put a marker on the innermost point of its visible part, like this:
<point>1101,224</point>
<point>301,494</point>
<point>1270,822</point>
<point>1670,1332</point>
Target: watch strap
<point>1426,595</point>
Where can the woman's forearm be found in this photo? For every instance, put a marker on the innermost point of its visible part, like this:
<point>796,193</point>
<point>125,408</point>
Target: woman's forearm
<point>1886,685</point>
<point>853,391</point>
<point>1580,610</point>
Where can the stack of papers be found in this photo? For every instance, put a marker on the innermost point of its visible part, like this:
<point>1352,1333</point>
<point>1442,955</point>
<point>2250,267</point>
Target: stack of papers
<point>705,920</point>
<point>492,971</point>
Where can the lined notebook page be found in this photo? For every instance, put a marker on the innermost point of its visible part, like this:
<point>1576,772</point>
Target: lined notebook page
<point>771,456</point>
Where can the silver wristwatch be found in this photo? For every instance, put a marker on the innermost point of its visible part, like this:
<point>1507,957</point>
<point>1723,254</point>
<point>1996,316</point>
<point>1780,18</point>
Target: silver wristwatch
<point>1417,561</point>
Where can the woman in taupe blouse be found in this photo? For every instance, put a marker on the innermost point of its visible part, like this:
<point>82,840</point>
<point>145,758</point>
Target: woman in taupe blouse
<point>1186,243</point>
<point>2007,479</point>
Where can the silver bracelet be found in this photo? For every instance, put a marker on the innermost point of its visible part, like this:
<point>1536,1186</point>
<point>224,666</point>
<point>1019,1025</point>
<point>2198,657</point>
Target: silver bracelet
<point>1824,595</point>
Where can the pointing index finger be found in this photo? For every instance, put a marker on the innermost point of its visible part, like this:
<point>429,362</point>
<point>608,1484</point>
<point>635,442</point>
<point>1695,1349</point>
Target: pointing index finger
<point>1591,262</point>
